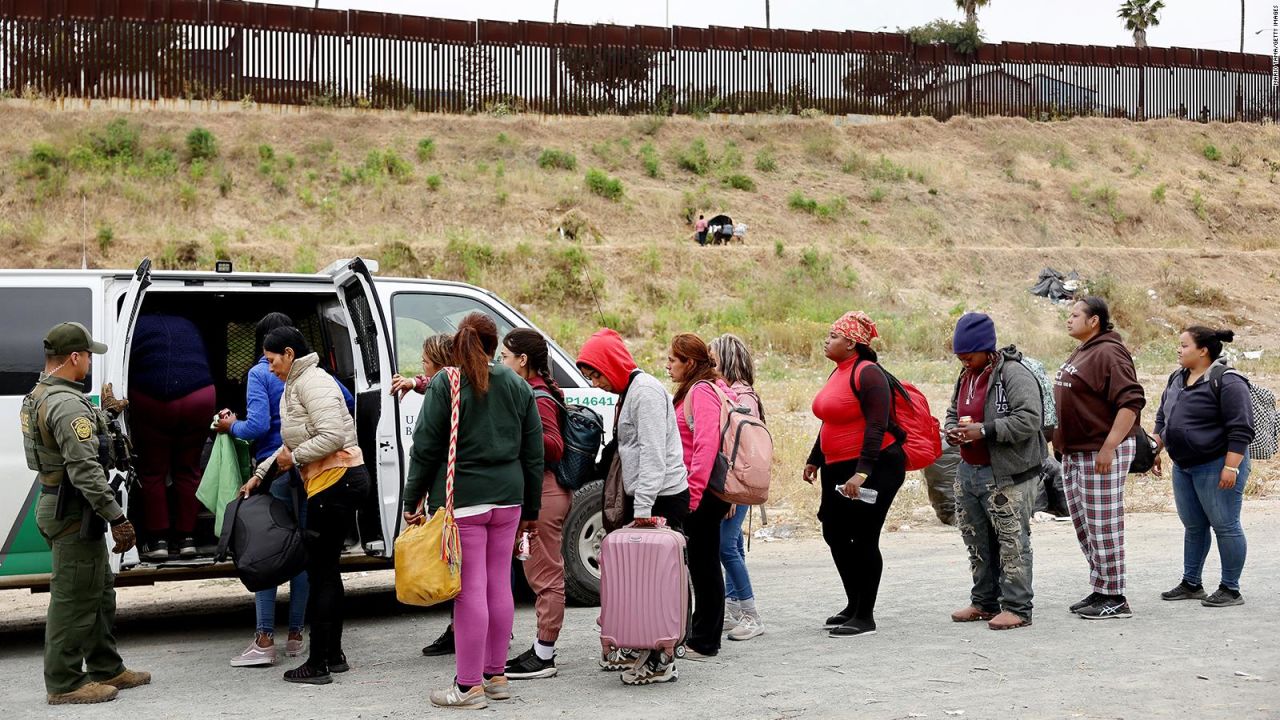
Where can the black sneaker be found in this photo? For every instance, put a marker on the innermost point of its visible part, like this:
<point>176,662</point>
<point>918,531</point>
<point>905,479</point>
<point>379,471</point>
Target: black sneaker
<point>443,645</point>
<point>854,628</point>
<point>1090,599</point>
<point>339,664</point>
<point>187,547</point>
<point>1110,607</point>
<point>309,674</point>
<point>1184,591</point>
<point>157,551</point>
<point>528,666</point>
<point>1223,597</point>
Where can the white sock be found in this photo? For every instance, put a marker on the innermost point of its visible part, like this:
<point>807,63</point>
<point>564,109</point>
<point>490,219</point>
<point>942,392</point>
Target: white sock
<point>544,652</point>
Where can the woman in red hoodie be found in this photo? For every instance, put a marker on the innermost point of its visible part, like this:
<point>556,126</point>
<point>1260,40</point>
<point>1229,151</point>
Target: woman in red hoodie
<point>525,352</point>
<point>689,365</point>
<point>1099,402</point>
<point>858,449</point>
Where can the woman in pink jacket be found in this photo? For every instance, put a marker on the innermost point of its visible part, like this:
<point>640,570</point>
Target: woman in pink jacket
<point>690,367</point>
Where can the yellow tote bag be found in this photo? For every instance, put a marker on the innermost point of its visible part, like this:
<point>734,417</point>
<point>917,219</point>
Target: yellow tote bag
<point>429,556</point>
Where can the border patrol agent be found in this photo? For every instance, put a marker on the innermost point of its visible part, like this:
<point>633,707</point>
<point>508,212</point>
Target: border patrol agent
<point>67,442</point>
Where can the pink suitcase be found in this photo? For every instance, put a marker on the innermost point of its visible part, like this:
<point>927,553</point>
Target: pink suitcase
<point>644,590</point>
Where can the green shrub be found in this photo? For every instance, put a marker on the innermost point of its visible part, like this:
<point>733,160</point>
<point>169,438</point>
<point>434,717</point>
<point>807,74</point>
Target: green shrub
<point>887,171</point>
<point>648,124</point>
<point>201,145</point>
<point>649,159</point>
<point>798,201</point>
<point>601,184</point>
<point>1157,195</point>
<point>396,167</point>
<point>1061,159</point>
<point>731,159</point>
<point>1212,154</point>
<point>828,211</point>
<point>266,153</point>
<point>1200,207</point>
<point>198,169</point>
<point>694,158</point>
<point>106,236</point>
<point>778,248</point>
<point>1188,291</point>
<point>557,159</point>
<point>118,142</point>
<point>878,194</point>
<point>187,196</point>
<point>434,182</point>
<point>46,154</point>
<point>426,149</point>
<point>740,182</point>
<point>765,160</point>
<point>225,182</point>
<point>853,162</point>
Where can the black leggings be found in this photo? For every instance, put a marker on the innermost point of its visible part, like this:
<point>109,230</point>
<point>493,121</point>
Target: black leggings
<point>329,518</point>
<point>852,527</point>
<point>702,530</point>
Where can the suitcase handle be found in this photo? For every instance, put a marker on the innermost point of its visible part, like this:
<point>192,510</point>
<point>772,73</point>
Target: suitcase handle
<point>659,522</point>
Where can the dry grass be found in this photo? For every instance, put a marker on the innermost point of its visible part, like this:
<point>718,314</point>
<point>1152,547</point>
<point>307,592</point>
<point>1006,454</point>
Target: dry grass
<point>932,220</point>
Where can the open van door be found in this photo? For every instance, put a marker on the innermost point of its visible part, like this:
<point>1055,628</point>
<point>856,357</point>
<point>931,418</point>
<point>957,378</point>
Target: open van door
<point>117,358</point>
<point>376,415</point>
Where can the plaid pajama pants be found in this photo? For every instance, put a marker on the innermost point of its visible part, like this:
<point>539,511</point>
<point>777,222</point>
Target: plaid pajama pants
<point>1096,502</point>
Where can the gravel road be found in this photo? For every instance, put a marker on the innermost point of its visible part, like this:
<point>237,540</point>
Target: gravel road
<point>1171,660</point>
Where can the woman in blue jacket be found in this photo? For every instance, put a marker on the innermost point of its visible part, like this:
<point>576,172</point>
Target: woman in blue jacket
<point>1205,421</point>
<point>261,427</point>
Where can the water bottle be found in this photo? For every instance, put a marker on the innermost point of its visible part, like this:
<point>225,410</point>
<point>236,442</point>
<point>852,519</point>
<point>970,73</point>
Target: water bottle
<point>868,495</point>
<point>524,547</point>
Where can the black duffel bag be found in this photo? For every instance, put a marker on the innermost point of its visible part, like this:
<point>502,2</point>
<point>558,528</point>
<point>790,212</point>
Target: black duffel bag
<point>264,539</point>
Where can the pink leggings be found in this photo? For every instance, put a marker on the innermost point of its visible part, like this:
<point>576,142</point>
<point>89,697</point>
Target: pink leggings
<point>483,612</point>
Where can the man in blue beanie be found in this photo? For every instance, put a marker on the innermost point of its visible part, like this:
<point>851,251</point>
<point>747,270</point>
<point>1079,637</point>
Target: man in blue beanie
<point>995,417</point>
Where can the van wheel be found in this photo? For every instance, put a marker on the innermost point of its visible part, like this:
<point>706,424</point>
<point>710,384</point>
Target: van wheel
<point>583,533</point>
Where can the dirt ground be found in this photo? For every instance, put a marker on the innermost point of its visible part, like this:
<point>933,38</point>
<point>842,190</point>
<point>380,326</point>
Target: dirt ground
<point>1170,660</point>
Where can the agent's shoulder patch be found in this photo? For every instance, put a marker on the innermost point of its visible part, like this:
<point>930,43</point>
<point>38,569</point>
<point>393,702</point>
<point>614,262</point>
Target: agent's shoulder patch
<point>82,427</point>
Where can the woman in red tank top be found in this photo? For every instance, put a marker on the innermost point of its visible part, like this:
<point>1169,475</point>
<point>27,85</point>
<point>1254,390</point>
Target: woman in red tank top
<point>859,449</point>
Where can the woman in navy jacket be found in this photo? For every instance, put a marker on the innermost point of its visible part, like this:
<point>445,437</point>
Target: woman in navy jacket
<point>1205,421</point>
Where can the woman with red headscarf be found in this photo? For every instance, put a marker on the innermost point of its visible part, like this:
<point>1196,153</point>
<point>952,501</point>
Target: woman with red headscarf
<point>859,449</point>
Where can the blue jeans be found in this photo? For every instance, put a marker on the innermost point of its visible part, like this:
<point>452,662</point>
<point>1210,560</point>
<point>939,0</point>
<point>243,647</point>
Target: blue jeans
<point>733,556</point>
<point>299,589</point>
<point>995,526</point>
<point>1201,505</point>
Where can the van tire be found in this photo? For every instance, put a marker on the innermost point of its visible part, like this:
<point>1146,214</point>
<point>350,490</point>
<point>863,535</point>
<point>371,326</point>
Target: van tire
<point>583,531</point>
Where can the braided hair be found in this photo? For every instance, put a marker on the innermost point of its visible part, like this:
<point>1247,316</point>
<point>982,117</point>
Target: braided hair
<point>531,344</point>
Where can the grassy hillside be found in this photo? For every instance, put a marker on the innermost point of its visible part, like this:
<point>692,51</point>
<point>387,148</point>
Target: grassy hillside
<point>580,220</point>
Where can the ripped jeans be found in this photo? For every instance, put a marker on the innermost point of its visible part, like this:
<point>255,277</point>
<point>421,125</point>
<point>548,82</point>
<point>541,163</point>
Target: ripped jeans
<point>995,524</point>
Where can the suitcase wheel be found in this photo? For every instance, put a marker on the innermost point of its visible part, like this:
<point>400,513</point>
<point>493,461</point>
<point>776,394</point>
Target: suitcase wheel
<point>679,652</point>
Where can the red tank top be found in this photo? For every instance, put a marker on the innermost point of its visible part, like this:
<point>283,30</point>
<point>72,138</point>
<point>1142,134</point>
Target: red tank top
<point>843,424</point>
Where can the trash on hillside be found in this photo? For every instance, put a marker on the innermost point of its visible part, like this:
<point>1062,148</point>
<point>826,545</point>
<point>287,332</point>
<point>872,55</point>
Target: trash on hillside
<point>1056,286</point>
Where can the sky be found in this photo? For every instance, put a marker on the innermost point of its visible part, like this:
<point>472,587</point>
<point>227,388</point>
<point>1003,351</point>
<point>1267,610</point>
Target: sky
<point>1211,24</point>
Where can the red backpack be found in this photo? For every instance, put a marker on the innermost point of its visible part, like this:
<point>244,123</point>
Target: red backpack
<point>922,443</point>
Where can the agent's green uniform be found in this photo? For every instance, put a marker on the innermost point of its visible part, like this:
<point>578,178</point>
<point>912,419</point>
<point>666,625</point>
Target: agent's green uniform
<point>67,437</point>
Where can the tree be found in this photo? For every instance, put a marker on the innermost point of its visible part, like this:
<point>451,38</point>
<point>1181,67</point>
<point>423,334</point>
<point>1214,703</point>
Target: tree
<point>1138,15</point>
<point>965,38</point>
<point>614,71</point>
<point>970,8</point>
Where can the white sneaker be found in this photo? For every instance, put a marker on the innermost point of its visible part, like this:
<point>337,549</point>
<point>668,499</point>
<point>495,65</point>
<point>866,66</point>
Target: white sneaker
<point>653,667</point>
<point>732,616</point>
<point>619,659</point>
<point>749,627</point>
<point>474,699</point>
<point>255,656</point>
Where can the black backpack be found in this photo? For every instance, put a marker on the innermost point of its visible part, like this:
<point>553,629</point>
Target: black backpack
<point>582,430</point>
<point>265,541</point>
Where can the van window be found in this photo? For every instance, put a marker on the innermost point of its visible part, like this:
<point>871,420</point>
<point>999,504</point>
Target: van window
<point>28,315</point>
<point>420,315</point>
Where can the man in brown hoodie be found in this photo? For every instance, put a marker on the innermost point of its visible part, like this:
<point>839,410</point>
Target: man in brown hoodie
<point>1099,403</point>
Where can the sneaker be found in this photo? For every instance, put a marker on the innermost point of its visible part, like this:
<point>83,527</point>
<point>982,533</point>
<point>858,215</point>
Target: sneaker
<point>732,615</point>
<point>528,666</point>
<point>749,627</point>
<point>497,688</point>
<point>1184,591</point>
<point>293,646</point>
<point>157,551</point>
<point>87,694</point>
<point>854,628</point>
<point>473,699</point>
<point>443,645</point>
<point>187,547</point>
<point>1223,597</point>
<point>1088,600</point>
<point>620,659</point>
<point>129,679</point>
<point>339,663</point>
<point>655,667</point>
<point>255,656</point>
<point>309,674</point>
<point>1110,607</point>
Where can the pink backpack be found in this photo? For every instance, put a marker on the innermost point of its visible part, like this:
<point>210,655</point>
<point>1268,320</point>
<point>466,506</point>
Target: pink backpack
<point>743,464</point>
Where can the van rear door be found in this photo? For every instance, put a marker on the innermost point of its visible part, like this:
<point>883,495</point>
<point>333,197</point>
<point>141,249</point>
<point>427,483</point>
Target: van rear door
<point>375,408</point>
<point>117,362</point>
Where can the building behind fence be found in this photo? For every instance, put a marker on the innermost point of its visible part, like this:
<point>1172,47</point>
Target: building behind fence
<point>230,50</point>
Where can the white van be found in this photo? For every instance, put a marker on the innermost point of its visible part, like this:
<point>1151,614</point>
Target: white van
<point>365,328</point>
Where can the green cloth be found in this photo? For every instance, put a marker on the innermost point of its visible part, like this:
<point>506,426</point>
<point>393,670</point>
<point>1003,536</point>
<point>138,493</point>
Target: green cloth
<point>499,446</point>
<point>229,466</point>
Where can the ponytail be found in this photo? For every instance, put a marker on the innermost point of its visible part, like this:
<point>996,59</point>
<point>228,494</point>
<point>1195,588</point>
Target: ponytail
<point>1210,339</point>
<point>473,347</point>
<point>531,344</point>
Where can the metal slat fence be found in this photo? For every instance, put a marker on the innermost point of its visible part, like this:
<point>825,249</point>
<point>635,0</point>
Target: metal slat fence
<point>230,50</point>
